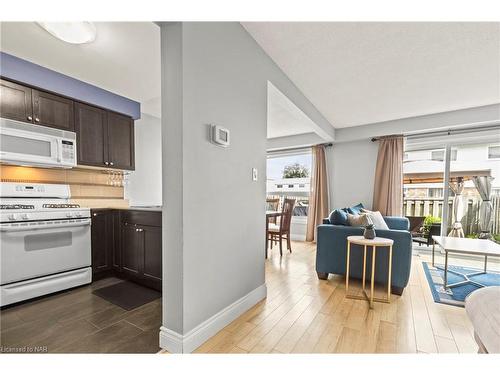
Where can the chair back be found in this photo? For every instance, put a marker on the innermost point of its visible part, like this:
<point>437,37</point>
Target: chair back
<point>287,212</point>
<point>434,230</point>
<point>416,222</point>
<point>272,204</point>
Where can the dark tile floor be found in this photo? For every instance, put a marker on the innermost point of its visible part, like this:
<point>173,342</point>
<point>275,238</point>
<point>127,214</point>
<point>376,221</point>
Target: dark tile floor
<point>78,321</point>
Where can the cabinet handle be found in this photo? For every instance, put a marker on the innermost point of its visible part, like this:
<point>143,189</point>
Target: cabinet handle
<point>106,163</point>
<point>95,214</point>
<point>139,230</point>
<point>30,118</point>
<point>37,119</point>
<point>111,163</point>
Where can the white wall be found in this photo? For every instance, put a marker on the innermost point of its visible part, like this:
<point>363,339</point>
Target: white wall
<point>351,168</point>
<point>144,184</point>
<point>214,214</point>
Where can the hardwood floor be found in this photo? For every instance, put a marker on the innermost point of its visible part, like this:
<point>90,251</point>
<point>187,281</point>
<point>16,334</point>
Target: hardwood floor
<point>78,321</point>
<point>300,315</point>
<point>305,315</point>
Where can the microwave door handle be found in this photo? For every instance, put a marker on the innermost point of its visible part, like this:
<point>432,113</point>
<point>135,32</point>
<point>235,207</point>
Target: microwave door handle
<point>59,151</point>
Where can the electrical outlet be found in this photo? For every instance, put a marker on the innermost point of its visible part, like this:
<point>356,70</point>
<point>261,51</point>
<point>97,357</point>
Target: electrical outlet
<point>254,174</point>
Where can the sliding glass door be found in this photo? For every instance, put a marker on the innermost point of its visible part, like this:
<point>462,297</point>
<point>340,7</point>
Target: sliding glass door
<point>454,185</point>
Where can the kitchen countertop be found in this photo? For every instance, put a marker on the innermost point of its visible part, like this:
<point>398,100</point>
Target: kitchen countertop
<point>144,208</point>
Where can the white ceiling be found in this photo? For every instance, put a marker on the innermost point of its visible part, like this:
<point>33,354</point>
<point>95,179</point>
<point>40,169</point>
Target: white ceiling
<point>360,73</point>
<point>283,117</point>
<point>124,58</point>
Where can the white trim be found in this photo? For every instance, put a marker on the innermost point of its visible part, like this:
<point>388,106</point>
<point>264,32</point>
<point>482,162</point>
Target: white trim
<point>177,343</point>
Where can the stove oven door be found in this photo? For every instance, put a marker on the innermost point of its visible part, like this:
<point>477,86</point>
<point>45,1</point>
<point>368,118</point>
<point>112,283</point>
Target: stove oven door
<point>33,249</point>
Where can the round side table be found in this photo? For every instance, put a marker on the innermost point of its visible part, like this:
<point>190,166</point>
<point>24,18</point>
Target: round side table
<point>376,242</point>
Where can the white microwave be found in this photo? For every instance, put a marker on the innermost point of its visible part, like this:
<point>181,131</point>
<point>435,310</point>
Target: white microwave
<point>35,145</point>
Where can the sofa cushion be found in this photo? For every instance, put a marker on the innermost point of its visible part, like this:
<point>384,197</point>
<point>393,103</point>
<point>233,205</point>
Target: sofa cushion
<point>356,210</point>
<point>338,217</point>
<point>376,218</point>
<point>357,220</point>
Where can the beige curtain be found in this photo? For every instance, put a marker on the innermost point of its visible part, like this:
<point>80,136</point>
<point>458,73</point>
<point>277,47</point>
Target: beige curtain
<point>388,188</point>
<point>318,200</point>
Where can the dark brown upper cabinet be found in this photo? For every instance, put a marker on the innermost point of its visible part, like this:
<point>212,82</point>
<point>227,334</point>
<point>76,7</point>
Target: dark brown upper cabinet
<point>15,101</point>
<point>52,110</point>
<point>92,133</point>
<point>18,102</point>
<point>105,139</point>
<point>120,141</point>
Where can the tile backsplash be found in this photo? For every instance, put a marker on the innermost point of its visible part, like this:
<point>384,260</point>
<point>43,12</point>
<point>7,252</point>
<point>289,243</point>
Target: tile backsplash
<point>93,188</point>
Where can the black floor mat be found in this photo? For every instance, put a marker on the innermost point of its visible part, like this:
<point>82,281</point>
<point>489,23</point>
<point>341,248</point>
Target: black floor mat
<point>127,295</point>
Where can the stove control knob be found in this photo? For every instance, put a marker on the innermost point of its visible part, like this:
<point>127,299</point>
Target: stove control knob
<point>25,216</point>
<point>69,214</point>
<point>12,217</point>
<point>78,214</point>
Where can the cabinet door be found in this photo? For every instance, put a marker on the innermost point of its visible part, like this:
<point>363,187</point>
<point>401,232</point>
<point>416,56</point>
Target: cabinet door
<point>102,241</point>
<point>15,101</point>
<point>116,259</point>
<point>91,134</point>
<point>52,110</point>
<point>152,255</point>
<point>132,245</point>
<point>120,141</point>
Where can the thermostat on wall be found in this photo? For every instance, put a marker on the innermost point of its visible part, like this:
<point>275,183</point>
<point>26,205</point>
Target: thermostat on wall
<point>220,136</point>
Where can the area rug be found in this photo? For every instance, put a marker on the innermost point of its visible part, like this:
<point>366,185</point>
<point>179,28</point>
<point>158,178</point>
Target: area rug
<point>127,295</point>
<point>455,296</point>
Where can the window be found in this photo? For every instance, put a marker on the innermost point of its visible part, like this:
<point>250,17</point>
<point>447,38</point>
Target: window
<point>493,152</point>
<point>288,176</point>
<point>438,155</point>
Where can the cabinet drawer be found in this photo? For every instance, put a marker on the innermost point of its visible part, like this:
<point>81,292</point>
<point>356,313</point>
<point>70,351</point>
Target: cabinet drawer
<point>138,217</point>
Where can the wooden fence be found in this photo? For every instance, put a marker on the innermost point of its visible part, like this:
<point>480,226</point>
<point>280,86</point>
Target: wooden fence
<point>470,220</point>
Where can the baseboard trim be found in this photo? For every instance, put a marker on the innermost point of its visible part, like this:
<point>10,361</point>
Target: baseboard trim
<point>174,342</point>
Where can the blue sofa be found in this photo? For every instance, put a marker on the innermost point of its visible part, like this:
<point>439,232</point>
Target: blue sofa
<point>332,250</point>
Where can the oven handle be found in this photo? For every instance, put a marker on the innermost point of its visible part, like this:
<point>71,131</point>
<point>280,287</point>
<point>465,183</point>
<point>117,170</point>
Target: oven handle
<point>8,228</point>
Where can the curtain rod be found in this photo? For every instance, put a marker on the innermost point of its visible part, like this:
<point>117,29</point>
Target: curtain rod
<point>440,132</point>
<point>298,148</point>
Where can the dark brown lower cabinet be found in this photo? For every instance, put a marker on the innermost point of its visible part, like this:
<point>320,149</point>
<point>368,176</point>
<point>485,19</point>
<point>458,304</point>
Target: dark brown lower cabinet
<point>127,244</point>
<point>141,248</point>
<point>103,242</point>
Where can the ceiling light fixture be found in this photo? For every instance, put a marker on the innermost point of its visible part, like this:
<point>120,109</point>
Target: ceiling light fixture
<point>71,32</point>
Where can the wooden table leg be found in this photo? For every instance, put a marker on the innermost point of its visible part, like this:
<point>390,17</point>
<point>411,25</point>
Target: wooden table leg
<point>373,276</point>
<point>267,239</point>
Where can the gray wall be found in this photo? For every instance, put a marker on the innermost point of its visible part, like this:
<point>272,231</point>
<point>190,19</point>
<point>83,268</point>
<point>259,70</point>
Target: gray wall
<point>352,170</point>
<point>144,184</point>
<point>214,73</point>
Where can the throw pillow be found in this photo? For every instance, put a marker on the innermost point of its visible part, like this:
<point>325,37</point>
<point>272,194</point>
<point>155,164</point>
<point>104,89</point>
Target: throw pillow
<point>338,217</point>
<point>376,218</point>
<point>356,210</point>
<point>357,220</point>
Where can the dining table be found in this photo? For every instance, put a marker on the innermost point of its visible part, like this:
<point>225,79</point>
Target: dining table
<point>270,214</point>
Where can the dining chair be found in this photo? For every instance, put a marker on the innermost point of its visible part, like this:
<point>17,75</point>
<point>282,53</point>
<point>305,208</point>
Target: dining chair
<point>278,232</point>
<point>272,204</point>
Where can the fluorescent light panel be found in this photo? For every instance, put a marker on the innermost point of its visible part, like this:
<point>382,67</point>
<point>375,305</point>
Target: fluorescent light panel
<point>71,32</point>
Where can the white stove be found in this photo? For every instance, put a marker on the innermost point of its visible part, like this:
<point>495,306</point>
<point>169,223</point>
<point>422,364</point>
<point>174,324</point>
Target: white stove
<point>45,241</point>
